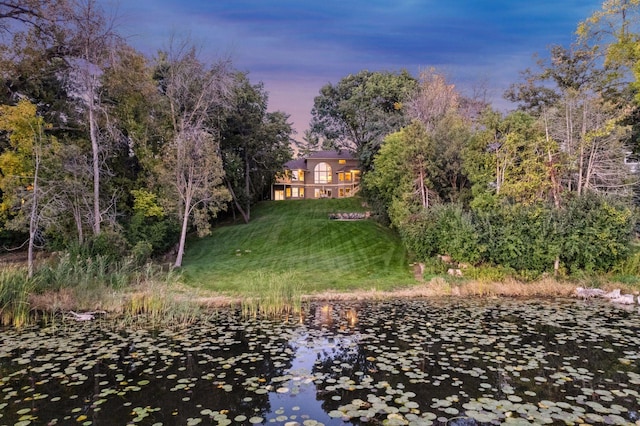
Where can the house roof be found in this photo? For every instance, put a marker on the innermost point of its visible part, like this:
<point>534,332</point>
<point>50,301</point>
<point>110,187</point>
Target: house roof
<point>297,164</point>
<point>332,155</point>
<point>301,163</point>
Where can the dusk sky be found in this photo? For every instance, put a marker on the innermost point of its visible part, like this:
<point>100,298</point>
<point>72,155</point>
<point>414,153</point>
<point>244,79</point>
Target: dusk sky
<point>295,47</point>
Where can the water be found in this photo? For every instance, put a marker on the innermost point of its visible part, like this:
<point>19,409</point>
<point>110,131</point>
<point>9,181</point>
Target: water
<point>399,362</point>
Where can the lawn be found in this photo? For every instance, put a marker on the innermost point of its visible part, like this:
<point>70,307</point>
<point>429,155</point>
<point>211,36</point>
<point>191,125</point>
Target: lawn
<point>296,240</point>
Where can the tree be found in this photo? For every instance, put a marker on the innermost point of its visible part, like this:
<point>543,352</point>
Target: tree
<point>434,99</point>
<point>507,160</point>
<point>139,113</point>
<point>192,168</point>
<point>359,111</point>
<point>569,98</point>
<point>91,44</point>
<point>403,171</point>
<point>614,25</point>
<point>439,107</point>
<point>39,14</point>
<point>20,168</point>
<point>255,145</point>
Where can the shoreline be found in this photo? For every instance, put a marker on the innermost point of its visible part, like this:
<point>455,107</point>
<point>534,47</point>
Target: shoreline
<point>65,300</point>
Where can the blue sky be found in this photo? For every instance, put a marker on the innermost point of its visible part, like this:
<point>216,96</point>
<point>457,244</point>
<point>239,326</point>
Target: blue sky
<point>295,46</point>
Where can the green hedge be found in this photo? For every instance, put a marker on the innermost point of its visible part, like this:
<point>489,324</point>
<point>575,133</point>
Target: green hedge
<point>589,233</point>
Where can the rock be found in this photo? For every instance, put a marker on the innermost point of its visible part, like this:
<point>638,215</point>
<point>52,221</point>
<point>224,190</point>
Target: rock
<point>588,292</point>
<point>612,294</point>
<point>454,272</point>
<point>624,299</point>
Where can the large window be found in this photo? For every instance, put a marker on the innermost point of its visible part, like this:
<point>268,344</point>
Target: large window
<point>322,173</point>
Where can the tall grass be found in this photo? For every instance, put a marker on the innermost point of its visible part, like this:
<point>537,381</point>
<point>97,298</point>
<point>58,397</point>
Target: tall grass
<point>154,306</point>
<point>70,282</point>
<point>272,294</point>
<point>15,288</point>
<point>74,271</point>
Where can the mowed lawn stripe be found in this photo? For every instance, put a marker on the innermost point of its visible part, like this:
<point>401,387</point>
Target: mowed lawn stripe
<point>298,237</point>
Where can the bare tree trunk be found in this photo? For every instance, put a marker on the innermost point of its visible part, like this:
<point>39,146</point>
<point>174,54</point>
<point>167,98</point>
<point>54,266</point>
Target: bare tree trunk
<point>96,167</point>
<point>425,200</point>
<point>245,215</point>
<point>183,232</point>
<point>555,186</point>
<point>33,219</point>
<point>247,186</point>
<point>583,137</point>
<point>569,134</point>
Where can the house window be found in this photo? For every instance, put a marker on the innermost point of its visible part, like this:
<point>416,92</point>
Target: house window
<point>341,177</point>
<point>279,194</point>
<point>340,192</point>
<point>294,175</point>
<point>342,161</point>
<point>347,176</point>
<point>317,193</point>
<point>301,175</point>
<point>288,191</point>
<point>294,193</point>
<point>322,173</point>
<point>301,192</point>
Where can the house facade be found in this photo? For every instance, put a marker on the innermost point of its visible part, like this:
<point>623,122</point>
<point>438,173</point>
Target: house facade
<point>322,174</point>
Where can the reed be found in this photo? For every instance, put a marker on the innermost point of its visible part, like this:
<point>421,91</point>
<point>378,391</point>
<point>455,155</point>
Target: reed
<point>272,294</point>
<point>15,287</point>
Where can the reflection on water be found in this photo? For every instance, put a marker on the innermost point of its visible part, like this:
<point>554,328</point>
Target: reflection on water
<point>400,362</point>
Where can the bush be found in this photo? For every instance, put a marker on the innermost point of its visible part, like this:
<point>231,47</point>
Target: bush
<point>160,233</point>
<point>589,233</point>
<point>595,233</point>
<point>520,237</point>
<point>442,229</point>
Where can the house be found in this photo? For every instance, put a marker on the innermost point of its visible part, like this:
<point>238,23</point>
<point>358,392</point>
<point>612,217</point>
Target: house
<point>322,174</point>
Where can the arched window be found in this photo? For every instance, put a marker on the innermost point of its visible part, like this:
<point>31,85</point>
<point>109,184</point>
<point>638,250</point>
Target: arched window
<point>322,173</point>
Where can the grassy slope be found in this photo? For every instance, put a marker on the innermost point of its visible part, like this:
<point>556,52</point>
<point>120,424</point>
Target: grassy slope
<point>296,240</point>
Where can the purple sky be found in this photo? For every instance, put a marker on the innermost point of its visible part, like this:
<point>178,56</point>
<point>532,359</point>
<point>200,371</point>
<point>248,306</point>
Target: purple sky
<point>295,46</point>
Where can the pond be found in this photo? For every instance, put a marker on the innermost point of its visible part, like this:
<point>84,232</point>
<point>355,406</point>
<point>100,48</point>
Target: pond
<point>448,361</point>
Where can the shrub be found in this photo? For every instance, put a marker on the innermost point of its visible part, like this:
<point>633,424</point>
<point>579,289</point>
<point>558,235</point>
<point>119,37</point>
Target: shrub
<point>520,237</point>
<point>589,233</point>
<point>160,233</point>
<point>595,233</point>
<point>442,229</point>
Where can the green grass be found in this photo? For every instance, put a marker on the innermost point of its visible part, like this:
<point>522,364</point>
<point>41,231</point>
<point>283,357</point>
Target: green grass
<point>296,241</point>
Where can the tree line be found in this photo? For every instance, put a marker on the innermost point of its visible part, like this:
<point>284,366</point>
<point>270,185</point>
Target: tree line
<point>547,187</point>
<point>102,147</point>
<point>106,151</point>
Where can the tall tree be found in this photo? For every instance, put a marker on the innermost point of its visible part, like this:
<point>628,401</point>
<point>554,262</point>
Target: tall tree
<point>506,160</point>
<point>255,145</point>
<point>446,116</point>
<point>361,109</point>
<point>38,14</point>
<point>21,167</point>
<point>403,174</point>
<point>434,99</point>
<point>197,96</point>
<point>92,42</point>
<point>569,97</point>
